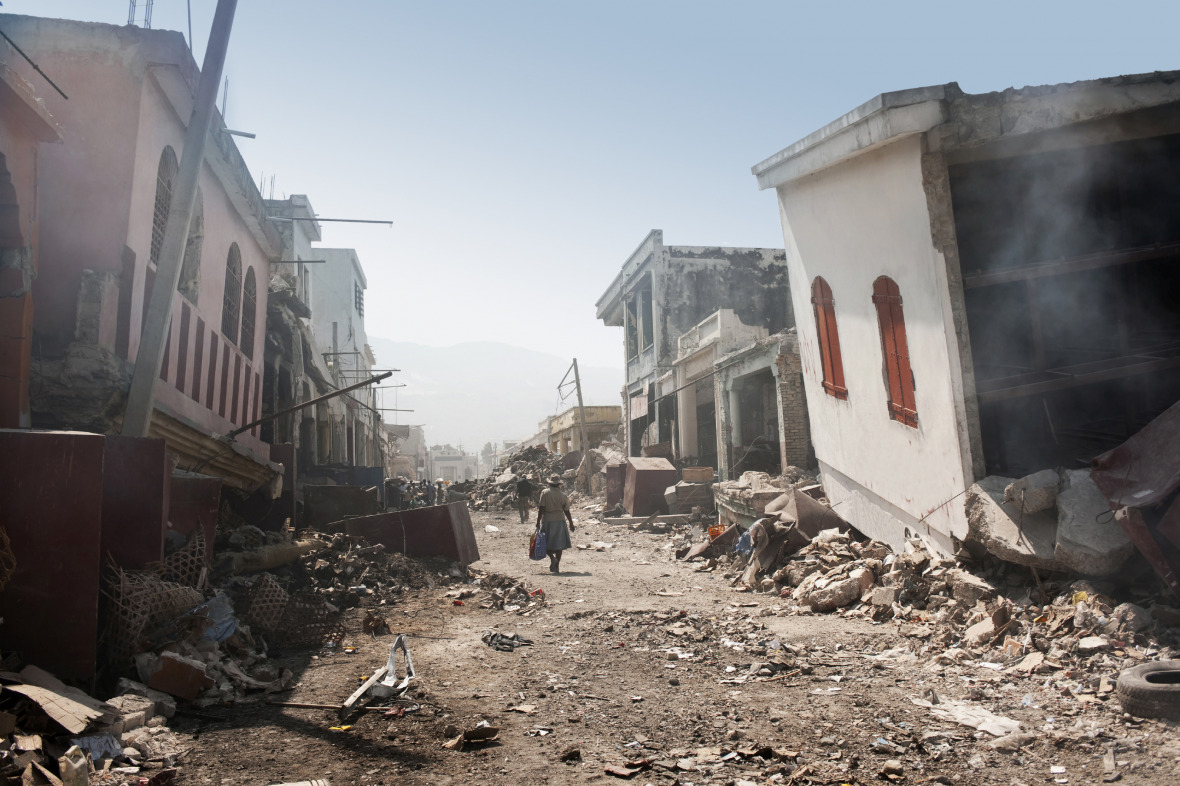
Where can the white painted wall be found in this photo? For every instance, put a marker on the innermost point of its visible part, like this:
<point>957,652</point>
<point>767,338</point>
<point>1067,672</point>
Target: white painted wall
<point>851,223</point>
<point>332,293</point>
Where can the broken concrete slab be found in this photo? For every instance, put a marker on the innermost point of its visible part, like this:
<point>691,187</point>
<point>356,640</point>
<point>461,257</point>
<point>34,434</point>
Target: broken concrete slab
<point>810,516</point>
<point>179,676</point>
<point>1088,539</point>
<point>685,496</point>
<point>1005,531</point>
<point>164,704</point>
<point>981,631</point>
<point>672,518</point>
<point>841,593</point>
<point>134,711</point>
<point>1131,617</point>
<point>1035,492</point>
<point>968,587</point>
<point>885,596</point>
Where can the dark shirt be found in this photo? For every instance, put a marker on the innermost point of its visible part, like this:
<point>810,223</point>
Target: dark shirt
<point>524,488</point>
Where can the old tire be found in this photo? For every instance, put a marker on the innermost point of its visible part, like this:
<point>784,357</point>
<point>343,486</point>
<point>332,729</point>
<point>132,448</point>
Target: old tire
<point>1151,690</point>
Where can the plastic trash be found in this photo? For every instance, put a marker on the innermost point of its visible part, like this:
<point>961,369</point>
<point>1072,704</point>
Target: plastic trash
<point>72,767</point>
<point>745,543</point>
<point>99,746</point>
<point>220,613</point>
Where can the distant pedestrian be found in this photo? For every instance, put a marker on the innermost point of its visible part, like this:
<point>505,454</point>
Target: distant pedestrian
<point>393,494</point>
<point>553,514</point>
<point>524,496</point>
<point>429,491</point>
<point>440,491</point>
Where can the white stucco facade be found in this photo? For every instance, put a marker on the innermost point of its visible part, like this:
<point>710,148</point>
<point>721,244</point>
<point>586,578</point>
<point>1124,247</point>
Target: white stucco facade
<point>878,471</point>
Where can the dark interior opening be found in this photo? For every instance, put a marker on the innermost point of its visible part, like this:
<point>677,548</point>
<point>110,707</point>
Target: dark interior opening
<point>1163,677</point>
<point>756,449</point>
<point>1071,273</point>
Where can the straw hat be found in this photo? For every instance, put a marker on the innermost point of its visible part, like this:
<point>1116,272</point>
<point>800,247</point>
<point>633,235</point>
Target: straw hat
<point>554,480</point>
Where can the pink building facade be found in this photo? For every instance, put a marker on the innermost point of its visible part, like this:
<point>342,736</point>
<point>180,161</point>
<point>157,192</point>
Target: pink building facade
<point>103,197</point>
<point>25,125</point>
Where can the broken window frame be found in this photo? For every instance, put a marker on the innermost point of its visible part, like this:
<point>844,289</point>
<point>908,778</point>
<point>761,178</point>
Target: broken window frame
<point>829,339</point>
<point>231,303</point>
<point>630,330</point>
<point>249,313</point>
<point>647,319</point>
<point>900,384</point>
<point>166,173</point>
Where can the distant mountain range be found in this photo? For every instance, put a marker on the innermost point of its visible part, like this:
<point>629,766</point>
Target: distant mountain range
<point>484,391</point>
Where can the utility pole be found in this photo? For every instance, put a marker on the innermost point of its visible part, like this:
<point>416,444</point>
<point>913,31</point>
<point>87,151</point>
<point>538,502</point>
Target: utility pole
<point>582,424</point>
<point>140,401</point>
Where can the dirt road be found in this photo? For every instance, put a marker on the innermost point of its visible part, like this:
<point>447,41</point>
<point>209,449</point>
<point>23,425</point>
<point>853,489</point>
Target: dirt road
<point>638,658</point>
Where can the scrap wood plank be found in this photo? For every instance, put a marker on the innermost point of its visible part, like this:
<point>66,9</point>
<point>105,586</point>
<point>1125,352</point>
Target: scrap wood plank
<point>74,717</point>
<point>350,704</point>
<point>31,675</point>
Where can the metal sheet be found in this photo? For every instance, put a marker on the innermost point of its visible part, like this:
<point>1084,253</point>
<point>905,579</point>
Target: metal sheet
<point>1166,567</point>
<point>194,502</point>
<point>647,478</point>
<point>616,478</point>
<point>438,531</point>
<point>638,406</point>
<point>136,480</point>
<point>51,487</point>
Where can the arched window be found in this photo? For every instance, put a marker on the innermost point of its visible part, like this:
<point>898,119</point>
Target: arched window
<point>249,311</point>
<point>887,299</point>
<point>829,338</point>
<point>165,178</point>
<point>231,304</point>
<point>189,284</point>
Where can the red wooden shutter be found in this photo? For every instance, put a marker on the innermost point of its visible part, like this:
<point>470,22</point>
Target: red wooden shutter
<point>834,343</point>
<point>895,349</point>
<point>829,338</point>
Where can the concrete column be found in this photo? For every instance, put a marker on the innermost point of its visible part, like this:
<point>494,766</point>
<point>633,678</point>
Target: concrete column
<point>794,427</point>
<point>735,412</point>
<point>686,408</point>
<point>724,428</point>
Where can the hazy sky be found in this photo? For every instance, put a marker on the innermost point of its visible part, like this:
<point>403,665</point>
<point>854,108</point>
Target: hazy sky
<point>524,149</point>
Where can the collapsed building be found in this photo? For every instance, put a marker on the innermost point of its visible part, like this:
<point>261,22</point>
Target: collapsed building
<point>992,282</point>
<point>405,453</point>
<point>712,371</point>
<point>600,424</point>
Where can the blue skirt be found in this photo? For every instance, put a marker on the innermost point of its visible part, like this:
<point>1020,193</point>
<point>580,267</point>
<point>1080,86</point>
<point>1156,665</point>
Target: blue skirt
<point>557,535</point>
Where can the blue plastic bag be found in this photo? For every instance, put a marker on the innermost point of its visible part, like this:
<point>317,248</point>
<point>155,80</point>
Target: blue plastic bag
<point>538,546</point>
<point>745,543</point>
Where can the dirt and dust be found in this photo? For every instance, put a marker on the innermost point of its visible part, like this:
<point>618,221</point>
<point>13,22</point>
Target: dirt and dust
<point>641,660</point>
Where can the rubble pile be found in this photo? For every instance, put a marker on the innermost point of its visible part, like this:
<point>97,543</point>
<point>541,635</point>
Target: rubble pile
<point>59,734</point>
<point>609,452</point>
<point>348,569</point>
<point>506,593</point>
<point>202,637</point>
<point>1057,635</point>
<point>499,491</point>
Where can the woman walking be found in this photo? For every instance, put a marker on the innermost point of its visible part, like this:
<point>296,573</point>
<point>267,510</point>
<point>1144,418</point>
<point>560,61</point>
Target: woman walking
<point>553,513</point>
